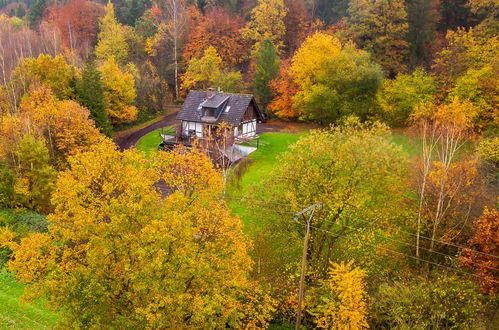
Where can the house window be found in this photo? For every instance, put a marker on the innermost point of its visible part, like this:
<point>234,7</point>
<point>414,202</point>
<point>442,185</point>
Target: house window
<point>209,112</point>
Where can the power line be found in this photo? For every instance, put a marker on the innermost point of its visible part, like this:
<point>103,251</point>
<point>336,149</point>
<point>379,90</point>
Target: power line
<point>372,222</point>
<point>412,245</point>
<point>408,255</point>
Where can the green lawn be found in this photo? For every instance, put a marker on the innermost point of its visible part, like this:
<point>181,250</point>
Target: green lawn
<point>13,316</point>
<point>263,161</point>
<point>150,141</point>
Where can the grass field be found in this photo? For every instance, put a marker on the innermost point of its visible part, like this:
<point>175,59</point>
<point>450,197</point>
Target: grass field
<point>150,141</point>
<point>13,316</point>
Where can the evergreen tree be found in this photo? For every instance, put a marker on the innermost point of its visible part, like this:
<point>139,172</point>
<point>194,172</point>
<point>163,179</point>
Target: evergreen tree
<point>423,19</point>
<point>90,93</point>
<point>36,12</point>
<point>267,68</point>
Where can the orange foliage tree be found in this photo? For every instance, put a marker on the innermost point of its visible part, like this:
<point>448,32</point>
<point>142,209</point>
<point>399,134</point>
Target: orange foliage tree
<point>284,88</point>
<point>217,28</point>
<point>485,241</point>
<point>149,239</point>
<point>78,21</point>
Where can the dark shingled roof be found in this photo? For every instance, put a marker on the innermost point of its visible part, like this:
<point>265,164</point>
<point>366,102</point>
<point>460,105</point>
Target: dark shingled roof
<point>238,103</point>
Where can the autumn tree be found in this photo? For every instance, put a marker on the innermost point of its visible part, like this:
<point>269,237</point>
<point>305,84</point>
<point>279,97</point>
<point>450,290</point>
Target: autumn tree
<point>267,68</point>
<point>206,72</point>
<point>422,16</point>
<point>353,169</point>
<point>175,261</point>
<point>380,26</point>
<point>343,85</point>
<point>90,94</point>
<point>299,26</point>
<point>483,246</point>
<point>464,50</point>
<point>217,28</point>
<point>284,88</point>
<point>35,176</point>
<point>119,92</point>
<point>448,185</point>
<point>398,97</point>
<point>344,305</point>
<point>78,21</point>
<point>267,22</point>
<point>53,72</point>
<point>112,39</point>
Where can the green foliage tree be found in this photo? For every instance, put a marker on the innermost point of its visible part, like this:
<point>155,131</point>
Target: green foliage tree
<point>354,169</point>
<point>344,85</point>
<point>35,177</point>
<point>422,18</point>
<point>444,302</point>
<point>398,97</point>
<point>380,26</point>
<point>112,39</point>
<point>35,12</point>
<point>90,93</point>
<point>267,68</point>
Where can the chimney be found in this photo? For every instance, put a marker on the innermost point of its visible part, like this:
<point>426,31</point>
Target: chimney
<point>210,92</point>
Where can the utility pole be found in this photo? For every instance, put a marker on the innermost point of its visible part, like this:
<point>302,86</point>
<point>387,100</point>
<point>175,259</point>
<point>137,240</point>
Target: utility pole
<point>309,210</point>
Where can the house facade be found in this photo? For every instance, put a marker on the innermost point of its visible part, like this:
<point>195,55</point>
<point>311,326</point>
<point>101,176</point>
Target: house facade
<point>203,111</point>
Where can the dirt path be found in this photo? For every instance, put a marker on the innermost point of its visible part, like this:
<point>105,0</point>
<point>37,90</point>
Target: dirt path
<point>127,139</point>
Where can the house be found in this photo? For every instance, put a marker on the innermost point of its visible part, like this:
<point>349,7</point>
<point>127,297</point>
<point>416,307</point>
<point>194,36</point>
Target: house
<point>204,111</point>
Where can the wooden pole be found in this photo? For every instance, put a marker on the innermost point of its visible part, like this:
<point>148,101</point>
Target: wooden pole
<point>301,292</point>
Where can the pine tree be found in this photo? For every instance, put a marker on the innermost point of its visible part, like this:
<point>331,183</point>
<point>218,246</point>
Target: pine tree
<point>267,68</point>
<point>423,18</point>
<point>90,93</point>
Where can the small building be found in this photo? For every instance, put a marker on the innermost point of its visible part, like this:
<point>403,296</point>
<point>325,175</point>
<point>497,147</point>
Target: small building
<point>203,111</point>
<point>201,115</point>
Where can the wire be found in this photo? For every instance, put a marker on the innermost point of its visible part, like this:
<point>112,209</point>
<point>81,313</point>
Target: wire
<point>408,255</point>
<point>378,224</point>
<point>412,245</point>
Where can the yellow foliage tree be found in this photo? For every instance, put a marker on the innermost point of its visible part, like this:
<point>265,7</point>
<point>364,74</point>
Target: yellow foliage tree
<point>345,307</point>
<point>148,239</point>
<point>267,22</point>
<point>112,37</point>
<point>311,56</point>
<point>119,92</point>
<point>53,72</point>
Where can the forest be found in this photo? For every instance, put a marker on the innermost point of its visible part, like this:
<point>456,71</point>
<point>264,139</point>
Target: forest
<point>374,205</point>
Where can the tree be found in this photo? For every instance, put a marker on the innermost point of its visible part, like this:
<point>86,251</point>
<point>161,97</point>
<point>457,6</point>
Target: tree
<point>78,21</point>
<point>422,17</point>
<point>398,97</point>
<point>34,175</point>
<point>432,302</point>
<point>148,260</point>
<point>486,242</point>
<point>35,12</point>
<point>53,72</point>
<point>448,186</point>
<point>112,39</point>
<point>119,93</point>
<point>344,85</point>
<point>298,25</point>
<point>354,169</point>
<point>267,68</point>
<point>217,28</point>
<point>267,22</point>
<point>344,306</point>
<point>464,50</point>
<point>206,72</point>
<point>284,88</point>
<point>90,94</point>
<point>380,26</point>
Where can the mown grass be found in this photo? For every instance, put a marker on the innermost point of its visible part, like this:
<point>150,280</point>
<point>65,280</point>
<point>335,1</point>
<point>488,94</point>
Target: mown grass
<point>27,316</point>
<point>150,141</point>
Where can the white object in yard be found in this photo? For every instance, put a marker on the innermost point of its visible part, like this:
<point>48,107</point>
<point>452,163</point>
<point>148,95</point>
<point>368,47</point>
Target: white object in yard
<point>236,152</point>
